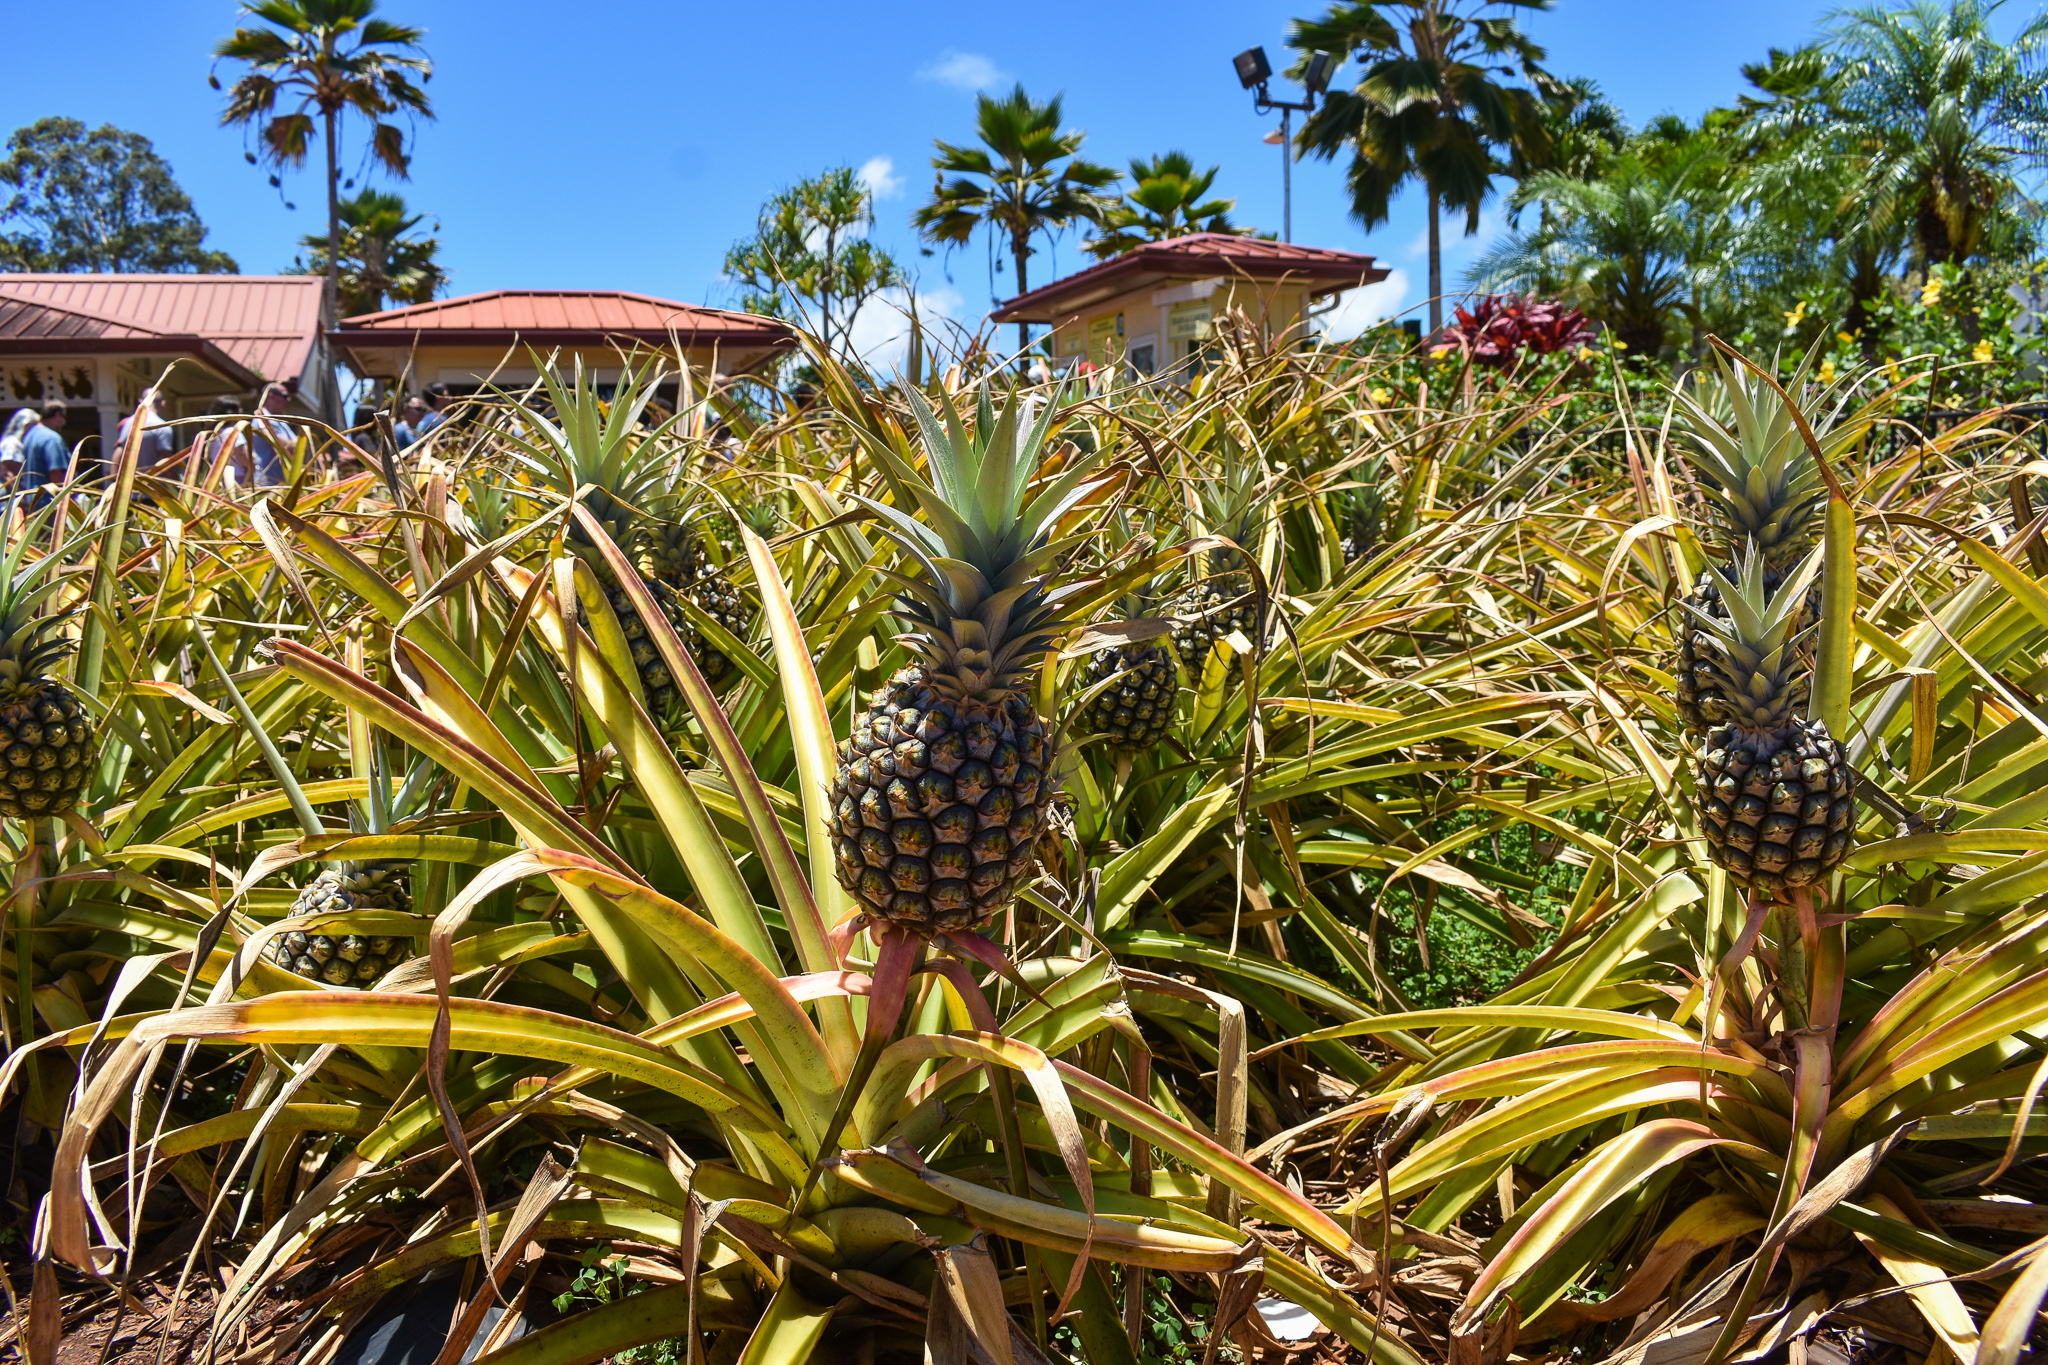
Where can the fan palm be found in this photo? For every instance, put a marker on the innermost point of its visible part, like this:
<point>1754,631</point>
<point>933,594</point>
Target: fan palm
<point>381,260</point>
<point>325,59</point>
<point>1429,107</point>
<point>1802,153</point>
<point>1027,177</point>
<point>1639,249</point>
<point>1165,201</point>
<point>1948,115</point>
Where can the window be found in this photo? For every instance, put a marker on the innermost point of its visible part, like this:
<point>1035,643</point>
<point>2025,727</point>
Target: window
<point>1101,336</point>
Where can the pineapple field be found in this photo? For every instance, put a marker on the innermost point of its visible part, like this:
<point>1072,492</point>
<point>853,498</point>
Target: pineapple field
<point>1300,863</point>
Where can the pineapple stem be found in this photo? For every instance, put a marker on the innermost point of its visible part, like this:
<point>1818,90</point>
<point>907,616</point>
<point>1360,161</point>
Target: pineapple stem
<point>896,958</point>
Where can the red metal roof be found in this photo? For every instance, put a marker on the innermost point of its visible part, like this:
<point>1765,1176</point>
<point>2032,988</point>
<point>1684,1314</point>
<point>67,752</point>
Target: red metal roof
<point>264,325</point>
<point>1200,255</point>
<point>561,316</point>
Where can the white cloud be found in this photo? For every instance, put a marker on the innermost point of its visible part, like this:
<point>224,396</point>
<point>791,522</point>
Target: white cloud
<point>878,173</point>
<point>962,71</point>
<point>1358,309</point>
<point>881,330</point>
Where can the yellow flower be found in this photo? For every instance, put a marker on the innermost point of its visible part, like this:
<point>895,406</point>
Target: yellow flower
<point>1382,397</point>
<point>1796,316</point>
<point>1827,370</point>
<point>1930,293</point>
<point>1846,338</point>
<point>1981,353</point>
<point>1620,345</point>
<point>1585,353</point>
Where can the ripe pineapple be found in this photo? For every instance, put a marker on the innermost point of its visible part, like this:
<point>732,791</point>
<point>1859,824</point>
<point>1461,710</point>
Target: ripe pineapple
<point>1764,489</point>
<point>1137,709</point>
<point>47,738</point>
<point>1223,600</point>
<point>943,785</point>
<point>1772,789</point>
<point>347,959</point>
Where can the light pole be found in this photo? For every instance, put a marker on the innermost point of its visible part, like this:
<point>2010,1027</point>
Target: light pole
<point>1253,71</point>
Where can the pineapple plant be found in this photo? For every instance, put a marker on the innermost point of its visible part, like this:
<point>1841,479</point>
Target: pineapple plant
<point>1362,514</point>
<point>49,738</point>
<point>1764,489</point>
<point>1221,599</point>
<point>678,570</point>
<point>943,786</point>
<point>1771,788</point>
<point>627,476</point>
<point>347,959</point>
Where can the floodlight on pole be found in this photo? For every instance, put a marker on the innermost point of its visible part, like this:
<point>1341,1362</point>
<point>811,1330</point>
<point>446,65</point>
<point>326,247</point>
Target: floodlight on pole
<point>1253,72</point>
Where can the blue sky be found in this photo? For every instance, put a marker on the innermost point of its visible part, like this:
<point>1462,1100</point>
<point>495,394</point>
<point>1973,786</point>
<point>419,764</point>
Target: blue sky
<point>627,145</point>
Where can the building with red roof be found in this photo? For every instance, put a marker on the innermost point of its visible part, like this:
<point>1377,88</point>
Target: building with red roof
<point>503,336</point>
<point>98,341</point>
<point>1156,306</point>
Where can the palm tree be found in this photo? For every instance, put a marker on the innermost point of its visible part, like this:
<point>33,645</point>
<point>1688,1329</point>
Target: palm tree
<point>380,258</point>
<point>324,59</point>
<point>1584,129</point>
<point>1803,161</point>
<point>1429,107</point>
<point>1165,201</point>
<point>810,252</point>
<point>1026,178</point>
<point>1648,248</point>
<point>1949,116</point>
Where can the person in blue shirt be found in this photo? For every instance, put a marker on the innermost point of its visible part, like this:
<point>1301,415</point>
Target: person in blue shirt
<point>437,401</point>
<point>45,458</point>
<point>410,416</point>
<point>267,438</point>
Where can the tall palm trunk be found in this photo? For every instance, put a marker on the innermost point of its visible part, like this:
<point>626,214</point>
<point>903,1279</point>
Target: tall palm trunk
<point>332,307</point>
<point>330,310</point>
<point>1436,266</point>
<point>1020,247</point>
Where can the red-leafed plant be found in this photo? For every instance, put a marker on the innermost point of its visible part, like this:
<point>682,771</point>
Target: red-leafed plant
<point>1500,328</point>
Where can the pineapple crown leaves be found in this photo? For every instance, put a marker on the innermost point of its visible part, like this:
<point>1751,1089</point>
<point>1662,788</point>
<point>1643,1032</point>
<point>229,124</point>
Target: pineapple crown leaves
<point>1233,504</point>
<point>1756,641</point>
<point>984,538</point>
<point>1763,483</point>
<point>29,639</point>
<point>596,449</point>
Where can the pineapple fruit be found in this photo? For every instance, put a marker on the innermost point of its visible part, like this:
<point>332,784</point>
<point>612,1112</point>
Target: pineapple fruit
<point>1772,789</point>
<point>347,959</point>
<point>943,786</point>
<point>1223,600</point>
<point>47,738</point>
<point>677,570</point>
<point>1136,709</point>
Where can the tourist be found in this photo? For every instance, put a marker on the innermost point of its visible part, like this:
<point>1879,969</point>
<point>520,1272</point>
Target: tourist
<point>45,458</point>
<point>269,438</point>
<point>436,403</point>
<point>258,460</point>
<point>218,448</point>
<point>10,443</point>
<point>409,419</point>
<point>159,437</point>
